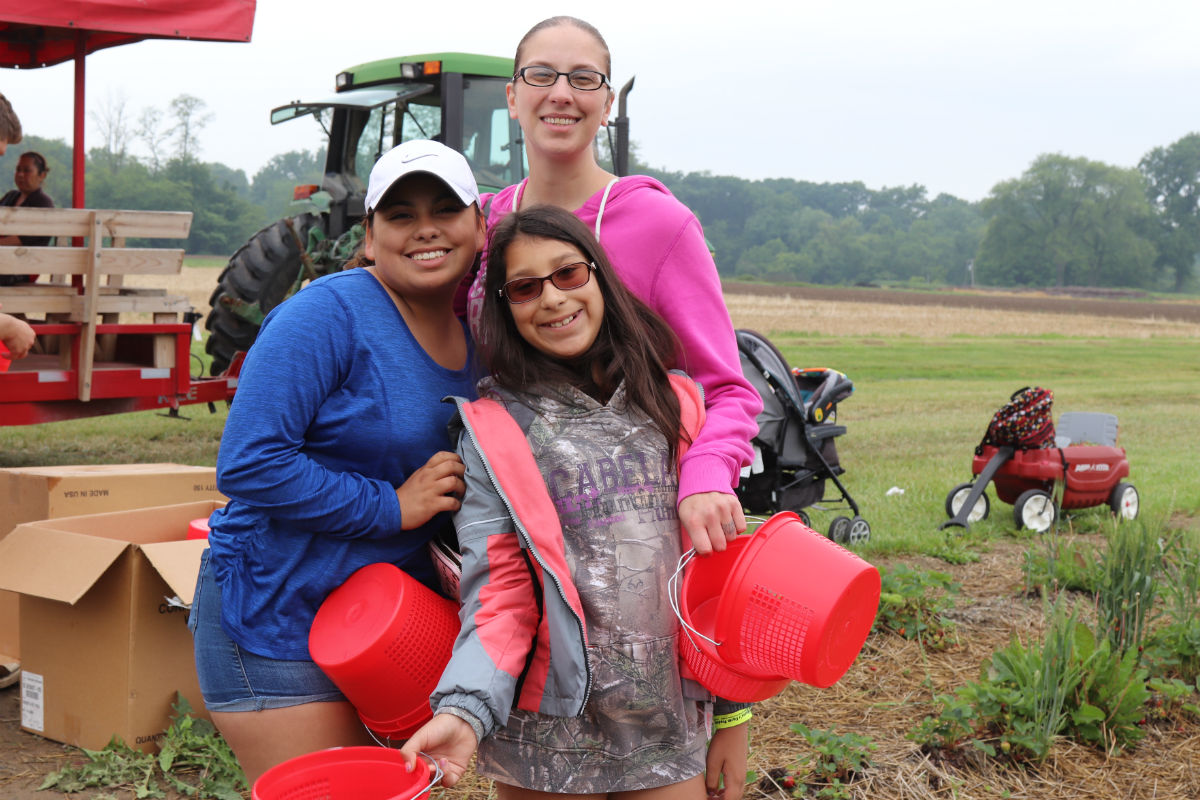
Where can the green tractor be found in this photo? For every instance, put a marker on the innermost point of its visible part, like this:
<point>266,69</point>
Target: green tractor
<point>456,98</point>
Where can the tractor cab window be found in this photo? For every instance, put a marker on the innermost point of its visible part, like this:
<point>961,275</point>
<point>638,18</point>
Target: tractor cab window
<point>421,120</point>
<point>377,137</point>
<point>491,141</point>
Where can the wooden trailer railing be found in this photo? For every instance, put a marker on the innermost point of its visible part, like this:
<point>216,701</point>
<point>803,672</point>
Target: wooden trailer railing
<point>87,283</point>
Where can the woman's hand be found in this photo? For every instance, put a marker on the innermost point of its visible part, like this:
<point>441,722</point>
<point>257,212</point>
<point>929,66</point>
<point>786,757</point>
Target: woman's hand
<point>712,520</point>
<point>725,769</point>
<point>448,740</point>
<point>437,486</point>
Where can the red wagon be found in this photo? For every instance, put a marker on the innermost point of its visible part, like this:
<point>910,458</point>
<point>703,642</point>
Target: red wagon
<point>1084,460</point>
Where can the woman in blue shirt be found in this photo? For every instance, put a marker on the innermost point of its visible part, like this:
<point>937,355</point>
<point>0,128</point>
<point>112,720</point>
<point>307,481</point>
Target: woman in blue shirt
<point>335,455</point>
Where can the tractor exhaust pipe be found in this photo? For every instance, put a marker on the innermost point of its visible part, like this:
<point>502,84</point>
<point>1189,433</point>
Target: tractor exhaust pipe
<point>621,123</point>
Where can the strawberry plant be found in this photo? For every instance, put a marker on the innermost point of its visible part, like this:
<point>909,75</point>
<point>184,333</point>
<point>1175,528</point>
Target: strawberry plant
<point>836,760</point>
<point>912,604</point>
<point>1074,684</point>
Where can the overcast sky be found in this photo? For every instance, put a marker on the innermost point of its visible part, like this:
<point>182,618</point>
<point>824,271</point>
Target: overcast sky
<point>955,95</point>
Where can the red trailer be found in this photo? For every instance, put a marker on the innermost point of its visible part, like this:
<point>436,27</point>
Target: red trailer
<point>104,345</point>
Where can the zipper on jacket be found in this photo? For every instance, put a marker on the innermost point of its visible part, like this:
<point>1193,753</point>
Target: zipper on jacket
<point>521,530</point>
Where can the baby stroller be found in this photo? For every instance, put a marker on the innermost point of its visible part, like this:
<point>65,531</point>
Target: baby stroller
<point>794,451</point>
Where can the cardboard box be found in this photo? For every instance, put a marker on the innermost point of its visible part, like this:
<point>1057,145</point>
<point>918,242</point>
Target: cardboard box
<point>29,494</point>
<point>103,609</point>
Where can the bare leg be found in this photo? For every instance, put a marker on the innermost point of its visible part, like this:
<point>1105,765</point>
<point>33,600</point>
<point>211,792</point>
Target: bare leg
<point>506,792</point>
<point>691,789</point>
<point>262,739</point>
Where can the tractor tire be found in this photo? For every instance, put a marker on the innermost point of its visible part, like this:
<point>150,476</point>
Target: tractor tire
<point>262,271</point>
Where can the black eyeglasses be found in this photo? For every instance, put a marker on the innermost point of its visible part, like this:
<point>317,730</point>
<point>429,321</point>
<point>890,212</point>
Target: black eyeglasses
<point>565,278</point>
<point>585,80</point>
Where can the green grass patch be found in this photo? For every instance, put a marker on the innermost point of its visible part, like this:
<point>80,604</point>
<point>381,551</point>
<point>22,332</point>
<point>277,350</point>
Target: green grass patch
<point>920,407</point>
<point>206,262</point>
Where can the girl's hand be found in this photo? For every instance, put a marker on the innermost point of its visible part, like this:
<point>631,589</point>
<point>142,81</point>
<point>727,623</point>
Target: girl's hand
<point>448,740</point>
<point>437,486</point>
<point>725,769</point>
<point>712,520</point>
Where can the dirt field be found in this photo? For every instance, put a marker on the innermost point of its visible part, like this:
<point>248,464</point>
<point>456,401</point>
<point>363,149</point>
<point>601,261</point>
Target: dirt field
<point>882,696</point>
<point>887,691</point>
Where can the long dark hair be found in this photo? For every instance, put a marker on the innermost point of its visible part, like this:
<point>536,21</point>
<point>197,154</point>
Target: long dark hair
<point>634,344</point>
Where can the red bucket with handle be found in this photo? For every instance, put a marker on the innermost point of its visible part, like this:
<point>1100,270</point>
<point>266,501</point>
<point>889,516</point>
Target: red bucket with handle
<point>346,773</point>
<point>384,639</point>
<point>699,594</point>
<point>796,603</point>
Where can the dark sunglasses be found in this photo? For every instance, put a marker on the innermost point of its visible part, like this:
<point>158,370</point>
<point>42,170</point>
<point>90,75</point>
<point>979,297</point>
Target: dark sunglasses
<point>566,277</point>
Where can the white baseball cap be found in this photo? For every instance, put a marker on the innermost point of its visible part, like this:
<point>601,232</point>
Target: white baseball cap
<point>422,155</point>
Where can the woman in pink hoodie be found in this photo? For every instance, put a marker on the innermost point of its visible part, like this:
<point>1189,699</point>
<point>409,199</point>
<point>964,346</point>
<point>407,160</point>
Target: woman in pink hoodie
<point>561,96</point>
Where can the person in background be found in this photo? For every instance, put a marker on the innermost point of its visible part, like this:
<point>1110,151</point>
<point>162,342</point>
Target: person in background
<point>17,335</point>
<point>29,176</point>
<point>566,674</point>
<point>561,96</point>
<point>10,125</point>
<point>336,455</point>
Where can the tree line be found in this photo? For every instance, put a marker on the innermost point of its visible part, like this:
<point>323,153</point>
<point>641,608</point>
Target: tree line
<point>1063,222</point>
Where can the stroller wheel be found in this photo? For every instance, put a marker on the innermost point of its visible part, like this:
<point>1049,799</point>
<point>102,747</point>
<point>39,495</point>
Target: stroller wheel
<point>860,531</point>
<point>1035,510</point>
<point>839,530</point>
<point>958,495</point>
<point>804,517</point>
<point>1124,501</point>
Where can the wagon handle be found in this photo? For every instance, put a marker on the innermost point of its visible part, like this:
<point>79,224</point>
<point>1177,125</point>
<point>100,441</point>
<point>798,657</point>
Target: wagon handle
<point>1003,454</point>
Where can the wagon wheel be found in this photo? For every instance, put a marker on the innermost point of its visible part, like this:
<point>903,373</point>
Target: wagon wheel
<point>1035,510</point>
<point>958,495</point>
<point>839,530</point>
<point>1124,501</point>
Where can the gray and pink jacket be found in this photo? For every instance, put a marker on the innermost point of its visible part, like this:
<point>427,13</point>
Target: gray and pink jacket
<point>523,641</point>
<point>657,247</point>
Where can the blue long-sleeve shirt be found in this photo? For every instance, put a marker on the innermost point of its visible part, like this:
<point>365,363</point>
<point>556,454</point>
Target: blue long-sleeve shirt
<point>336,406</point>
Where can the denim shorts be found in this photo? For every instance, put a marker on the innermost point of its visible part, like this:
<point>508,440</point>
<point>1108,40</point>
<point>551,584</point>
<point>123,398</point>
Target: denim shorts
<point>234,679</point>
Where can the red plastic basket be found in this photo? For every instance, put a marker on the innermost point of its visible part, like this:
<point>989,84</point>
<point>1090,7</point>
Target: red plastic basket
<point>796,604</point>
<point>384,639</point>
<point>198,528</point>
<point>702,584</point>
<point>344,773</point>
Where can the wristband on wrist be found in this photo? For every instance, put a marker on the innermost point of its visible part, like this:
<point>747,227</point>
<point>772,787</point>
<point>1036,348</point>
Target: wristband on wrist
<point>731,720</point>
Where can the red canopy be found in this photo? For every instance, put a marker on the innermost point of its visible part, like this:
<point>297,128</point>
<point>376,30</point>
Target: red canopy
<point>41,33</point>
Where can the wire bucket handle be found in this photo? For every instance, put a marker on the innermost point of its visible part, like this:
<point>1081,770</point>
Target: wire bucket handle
<point>435,774</point>
<point>673,588</point>
<point>673,584</point>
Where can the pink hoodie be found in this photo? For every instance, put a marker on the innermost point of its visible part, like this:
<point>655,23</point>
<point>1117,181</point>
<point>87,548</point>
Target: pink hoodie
<point>657,247</point>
